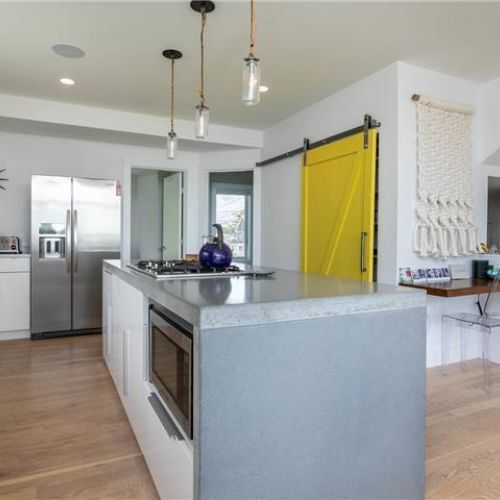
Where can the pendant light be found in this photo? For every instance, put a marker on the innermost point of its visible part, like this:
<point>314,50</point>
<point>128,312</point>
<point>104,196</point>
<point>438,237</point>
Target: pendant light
<point>173,55</point>
<point>202,110</point>
<point>251,67</point>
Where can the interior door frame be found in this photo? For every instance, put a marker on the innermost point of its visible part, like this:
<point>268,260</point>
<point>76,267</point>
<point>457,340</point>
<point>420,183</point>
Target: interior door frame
<point>182,216</point>
<point>126,247</point>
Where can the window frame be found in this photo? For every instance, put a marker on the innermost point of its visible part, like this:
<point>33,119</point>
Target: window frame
<point>246,190</point>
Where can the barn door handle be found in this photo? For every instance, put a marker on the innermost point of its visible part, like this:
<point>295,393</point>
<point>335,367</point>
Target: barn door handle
<point>363,251</point>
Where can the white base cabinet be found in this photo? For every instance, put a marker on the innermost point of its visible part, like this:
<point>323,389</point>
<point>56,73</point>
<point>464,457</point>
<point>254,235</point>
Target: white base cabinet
<point>14,297</point>
<point>125,335</point>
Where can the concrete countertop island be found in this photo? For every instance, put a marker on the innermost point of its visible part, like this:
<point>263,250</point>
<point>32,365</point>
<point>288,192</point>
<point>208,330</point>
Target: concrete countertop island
<point>286,296</point>
<point>304,386</point>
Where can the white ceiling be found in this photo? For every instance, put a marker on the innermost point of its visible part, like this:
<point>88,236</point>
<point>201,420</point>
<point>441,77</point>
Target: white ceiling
<point>308,50</point>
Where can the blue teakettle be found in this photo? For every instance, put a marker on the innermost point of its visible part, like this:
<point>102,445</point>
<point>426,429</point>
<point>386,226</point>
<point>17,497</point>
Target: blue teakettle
<point>216,254</point>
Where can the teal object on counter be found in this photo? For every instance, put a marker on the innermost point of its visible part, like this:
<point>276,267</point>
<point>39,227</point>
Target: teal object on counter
<point>494,271</point>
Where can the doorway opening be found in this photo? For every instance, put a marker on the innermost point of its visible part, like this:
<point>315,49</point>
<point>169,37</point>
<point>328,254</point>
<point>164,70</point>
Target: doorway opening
<point>157,202</point>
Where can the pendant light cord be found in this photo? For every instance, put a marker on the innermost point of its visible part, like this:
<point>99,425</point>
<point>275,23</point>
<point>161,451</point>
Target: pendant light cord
<point>253,36</point>
<point>172,97</point>
<point>202,46</point>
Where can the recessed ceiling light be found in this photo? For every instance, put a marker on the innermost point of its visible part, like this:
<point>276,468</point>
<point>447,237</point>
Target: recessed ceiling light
<point>264,89</point>
<point>67,50</point>
<point>67,81</point>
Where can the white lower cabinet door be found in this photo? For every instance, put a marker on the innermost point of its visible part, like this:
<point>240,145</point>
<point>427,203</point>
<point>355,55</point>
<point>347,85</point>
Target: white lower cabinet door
<point>14,301</point>
<point>169,459</point>
<point>128,352</point>
<point>132,395</point>
<point>115,344</point>
<point>137,392</point>
<point>122,321</point>
<point>107,314</point>
<point>130,310</point>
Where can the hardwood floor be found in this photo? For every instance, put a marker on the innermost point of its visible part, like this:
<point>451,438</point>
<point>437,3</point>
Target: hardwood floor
<point>63,431</point>
<point>463,434</point>
<point>64,434</point>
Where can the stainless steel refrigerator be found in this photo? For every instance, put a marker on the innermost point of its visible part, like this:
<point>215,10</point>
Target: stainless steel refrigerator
<point>75,225</point>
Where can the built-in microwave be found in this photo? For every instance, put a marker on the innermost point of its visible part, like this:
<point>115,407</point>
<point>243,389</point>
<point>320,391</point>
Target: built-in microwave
<point>171,364</point>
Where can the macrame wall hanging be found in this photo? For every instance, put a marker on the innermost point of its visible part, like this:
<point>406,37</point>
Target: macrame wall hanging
<point>445,224</point>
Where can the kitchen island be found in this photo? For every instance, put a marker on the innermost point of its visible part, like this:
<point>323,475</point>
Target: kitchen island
<point>303,386</point>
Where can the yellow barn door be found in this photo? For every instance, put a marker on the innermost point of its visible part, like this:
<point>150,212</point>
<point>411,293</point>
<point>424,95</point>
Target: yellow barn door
<point>338,208</point>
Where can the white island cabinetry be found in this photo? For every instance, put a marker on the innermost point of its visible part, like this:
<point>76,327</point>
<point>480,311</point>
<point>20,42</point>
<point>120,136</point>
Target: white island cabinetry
<point>125,334</point>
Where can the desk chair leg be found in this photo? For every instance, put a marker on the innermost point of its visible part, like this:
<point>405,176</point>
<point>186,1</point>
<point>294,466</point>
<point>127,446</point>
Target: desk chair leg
<point>444,345</point>
<point>486,358</point>
<point>463,347</point>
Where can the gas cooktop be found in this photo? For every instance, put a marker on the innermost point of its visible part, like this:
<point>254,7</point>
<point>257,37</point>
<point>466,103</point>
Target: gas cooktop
<point>183,269</point>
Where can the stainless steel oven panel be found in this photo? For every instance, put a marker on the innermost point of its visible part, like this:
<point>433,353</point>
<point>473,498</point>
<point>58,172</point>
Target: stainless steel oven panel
<point>175,333</point>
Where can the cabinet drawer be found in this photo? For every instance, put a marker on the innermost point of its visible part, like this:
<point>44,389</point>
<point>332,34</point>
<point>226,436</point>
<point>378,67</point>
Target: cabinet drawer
<point>170,460</point>
<point>15,264</point>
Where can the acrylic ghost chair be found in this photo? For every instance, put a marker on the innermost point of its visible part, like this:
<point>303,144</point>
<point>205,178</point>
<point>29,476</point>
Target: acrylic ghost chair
<point>483,323</point>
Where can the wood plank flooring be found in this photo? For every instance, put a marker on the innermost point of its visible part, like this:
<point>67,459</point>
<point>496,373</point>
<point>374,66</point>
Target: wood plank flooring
<point>63,431</point>
<point>463,434</point>
<point>64,434</point>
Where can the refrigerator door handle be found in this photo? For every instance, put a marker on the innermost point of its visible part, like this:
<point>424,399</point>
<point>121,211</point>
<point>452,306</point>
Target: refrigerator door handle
<point>68,250</point>
<point>75,241</point>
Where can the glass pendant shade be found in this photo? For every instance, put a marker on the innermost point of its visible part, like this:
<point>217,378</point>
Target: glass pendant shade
<point>201,121</point>
<point>251,81</point>
<point>171,145</point>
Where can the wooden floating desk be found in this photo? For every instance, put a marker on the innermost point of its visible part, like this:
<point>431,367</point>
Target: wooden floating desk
<point>454,288</point>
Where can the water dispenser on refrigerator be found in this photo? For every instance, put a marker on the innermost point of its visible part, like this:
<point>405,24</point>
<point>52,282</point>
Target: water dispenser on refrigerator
<point>52,241</point>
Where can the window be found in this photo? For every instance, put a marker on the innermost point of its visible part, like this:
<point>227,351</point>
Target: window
<point>231,207</point>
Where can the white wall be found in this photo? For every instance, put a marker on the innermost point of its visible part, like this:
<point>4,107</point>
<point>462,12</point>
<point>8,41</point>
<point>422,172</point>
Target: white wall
<point>374,95</point>
<point>411,80</point>
<point>26,154</point>
<point>489,123</point>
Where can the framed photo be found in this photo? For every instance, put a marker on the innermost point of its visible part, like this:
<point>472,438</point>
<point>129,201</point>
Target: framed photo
<point>405,275</point>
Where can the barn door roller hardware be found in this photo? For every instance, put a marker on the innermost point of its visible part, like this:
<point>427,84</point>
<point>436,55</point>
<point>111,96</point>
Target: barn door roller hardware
<point>3,179</point>
<point>368,123</point>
